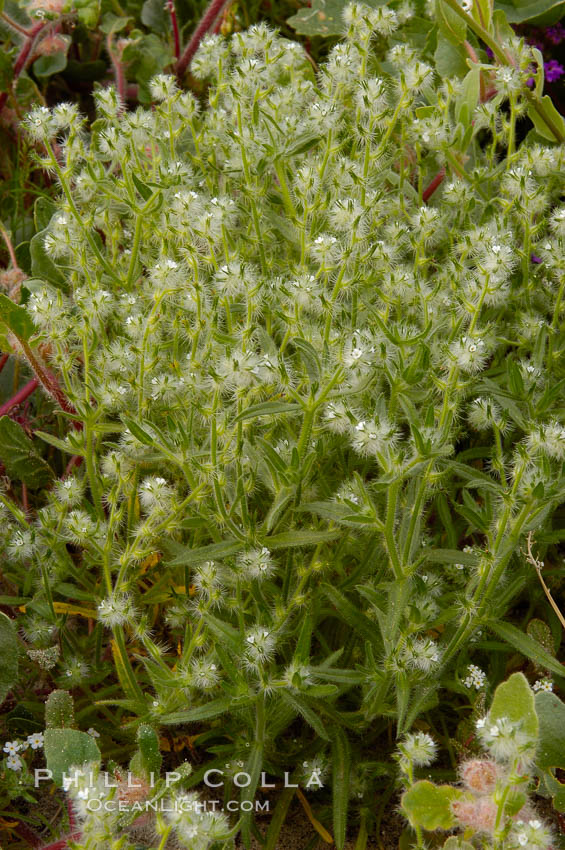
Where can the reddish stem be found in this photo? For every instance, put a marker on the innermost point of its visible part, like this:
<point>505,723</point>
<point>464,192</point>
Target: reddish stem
<point>14,24</point>
<point>50,383</point>
<point>10,247</point>
<point>61,844</point>
<point>175,25</point>
<point>72,819</point>
<point>430,189</point>
<point>20,396</point>
<point>22,58</point>
<point>215,8</point>
<point>76,460</point>
<point>25,832</point>
<point>3,360</point>
<point>119,73</point>
<point>217,25</point>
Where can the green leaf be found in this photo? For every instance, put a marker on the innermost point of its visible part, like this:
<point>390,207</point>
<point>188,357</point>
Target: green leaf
<point>15,318</point>
<point>555,789</point>
<point>450,59</point>
<point>112,24</point>
<point>253,770</point>
<point>449,556</point>
<point>310,357</point>
<point>154,17</point>
<point>551,736</point>
<point>539,77</point>
<point>59,710</point>
<point>323,18</point>
<point>517,12</point>
<point>60,444</point>
<point>144,190</point>
<point>351,615</point>
<point>429,806</point>
<point>146,55</point>
<point>528,647</point>
<point>42,266</point>
<point>54,63</point>
<point>481,11</point>
<point>9,656</point>
<point>451,25</point>
<point>20,457</point>
<point>454,843</point>
<point>68,748</point>
<point>140,434</point>
<point>43,211</point>
<point>268,408</point>
<point>148,743</point>
<point>469,96</point>
<point>211,709</point>
<point>301,143</point>
<point>301,707</point>
<point>88,12</point>
<point>341,769</point>
<point>291,539</point>
<point>184,555</point>
<point>514,699</point>
<point>541,633</point>
<point>547,120</point>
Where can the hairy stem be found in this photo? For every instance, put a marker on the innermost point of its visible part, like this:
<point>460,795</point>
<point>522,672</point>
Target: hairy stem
<point>214,9</point>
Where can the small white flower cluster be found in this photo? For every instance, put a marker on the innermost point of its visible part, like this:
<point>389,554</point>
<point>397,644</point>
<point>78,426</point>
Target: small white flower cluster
<point>470,353</point>
<point>417,749</point>
<point>548,439</point>
<point>476,677</point>
<point>194,827</point>
<point>260,645</point>
<point>531,834</point>
<point>421,654</point>
<point>117,610</point>
<point>256,564</point>
<point>543,685</point>
<point>506,739</point>
<point>14,748</point>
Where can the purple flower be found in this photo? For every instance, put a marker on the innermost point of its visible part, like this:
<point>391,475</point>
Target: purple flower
<point>490,54</point>
<point>553,70</point>
<point>535,259</point>
<point>555,34</point>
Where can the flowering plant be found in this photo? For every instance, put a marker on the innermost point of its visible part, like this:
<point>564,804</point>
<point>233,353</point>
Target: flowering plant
<point>491,805</point>
<point>308,384</point>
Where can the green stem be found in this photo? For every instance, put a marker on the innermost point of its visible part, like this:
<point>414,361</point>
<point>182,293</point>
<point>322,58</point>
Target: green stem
<point>481,32</point>
<point>391,503</point>
<point>287,198</point>
<point>131,683</point>
<point>134,250</point>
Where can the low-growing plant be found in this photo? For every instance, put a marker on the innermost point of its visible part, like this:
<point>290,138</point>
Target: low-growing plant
<point>305,347</point>
<point>491,806</point>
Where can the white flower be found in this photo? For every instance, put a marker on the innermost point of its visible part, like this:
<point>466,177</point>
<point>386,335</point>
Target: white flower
<point>476,678</point>
<point>35,740</point>
<point>14,763</point>
<point>419,748</point>
<point>543,685</point>
<point>256,563</point>
<point>93,733</point>
<point>12,747</point>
